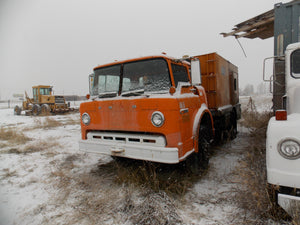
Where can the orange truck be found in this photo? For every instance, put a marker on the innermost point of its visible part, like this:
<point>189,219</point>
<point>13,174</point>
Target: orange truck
<point>160,109</point>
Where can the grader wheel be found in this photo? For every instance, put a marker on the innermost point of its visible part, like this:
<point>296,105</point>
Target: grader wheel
<point>36,110</point>
<point>45,109</point>
<point>17,110</point>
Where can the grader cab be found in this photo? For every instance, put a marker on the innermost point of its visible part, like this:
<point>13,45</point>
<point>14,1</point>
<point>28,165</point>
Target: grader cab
<point>43,102</point>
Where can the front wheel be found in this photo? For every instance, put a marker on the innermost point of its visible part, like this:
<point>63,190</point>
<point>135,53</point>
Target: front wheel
<point>17,110</point>
<point>201,158</point>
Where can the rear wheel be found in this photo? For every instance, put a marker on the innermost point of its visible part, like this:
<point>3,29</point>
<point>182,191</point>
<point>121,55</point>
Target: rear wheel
<point>45,109</point>
<point>36,110</point>
<point>17,110</point>
<point>233,121</point>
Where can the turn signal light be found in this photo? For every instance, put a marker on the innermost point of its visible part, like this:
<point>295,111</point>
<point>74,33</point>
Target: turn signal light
<point>88,96</point>
<point>281,115</point>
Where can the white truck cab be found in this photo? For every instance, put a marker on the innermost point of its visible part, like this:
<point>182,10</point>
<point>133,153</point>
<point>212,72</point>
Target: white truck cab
<point>283,138</point>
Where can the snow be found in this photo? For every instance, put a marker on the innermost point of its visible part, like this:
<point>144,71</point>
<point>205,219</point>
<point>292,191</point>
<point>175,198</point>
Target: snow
<point>24,177</point>
<point>261,103</point>
<point>51,184</point>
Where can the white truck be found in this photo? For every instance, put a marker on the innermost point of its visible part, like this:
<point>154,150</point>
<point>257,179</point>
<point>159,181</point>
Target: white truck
<point>283,134</point>
<point>283,138</point>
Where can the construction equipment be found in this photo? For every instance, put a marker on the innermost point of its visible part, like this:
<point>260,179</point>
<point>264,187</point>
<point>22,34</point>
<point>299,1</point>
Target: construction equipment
<point>43,102</point>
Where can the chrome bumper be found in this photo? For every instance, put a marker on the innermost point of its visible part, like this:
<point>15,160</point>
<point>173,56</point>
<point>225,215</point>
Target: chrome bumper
<point>134,146</point>
<point>290,203</point>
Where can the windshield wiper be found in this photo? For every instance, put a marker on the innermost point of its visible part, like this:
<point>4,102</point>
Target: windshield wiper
<point>137,92</point>
<point>107,94</point>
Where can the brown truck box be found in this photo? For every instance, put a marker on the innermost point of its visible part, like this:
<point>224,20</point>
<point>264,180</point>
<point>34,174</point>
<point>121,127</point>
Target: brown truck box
<point>220,80</point>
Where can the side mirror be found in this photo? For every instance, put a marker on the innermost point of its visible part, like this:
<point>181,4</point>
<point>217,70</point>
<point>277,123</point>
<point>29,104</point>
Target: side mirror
<point>195,71</point>
<point>91,83</point>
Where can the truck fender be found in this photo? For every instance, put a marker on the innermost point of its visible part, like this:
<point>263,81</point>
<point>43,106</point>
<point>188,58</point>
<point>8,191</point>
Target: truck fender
<point>197,122</point>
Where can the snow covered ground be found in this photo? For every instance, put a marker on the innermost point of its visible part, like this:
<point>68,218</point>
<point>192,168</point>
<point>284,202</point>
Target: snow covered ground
<point>45,179</point>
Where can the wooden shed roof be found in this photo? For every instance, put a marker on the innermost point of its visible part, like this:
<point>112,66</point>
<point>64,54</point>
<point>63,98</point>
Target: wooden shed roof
<point>261,26</point>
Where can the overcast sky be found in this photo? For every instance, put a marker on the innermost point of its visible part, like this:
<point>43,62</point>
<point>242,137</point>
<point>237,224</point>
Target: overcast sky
<point>59,42</point>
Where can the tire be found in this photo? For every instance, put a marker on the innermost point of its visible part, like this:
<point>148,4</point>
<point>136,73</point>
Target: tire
<point>233,130</point>
<point>17,110</point>
<point>202,156</point>
<point>36,110</point>
<point>45,109</point>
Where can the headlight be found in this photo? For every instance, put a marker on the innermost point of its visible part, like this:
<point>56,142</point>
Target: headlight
<point>86,119</point>
<point>289,149</point>
<point>157,119</point>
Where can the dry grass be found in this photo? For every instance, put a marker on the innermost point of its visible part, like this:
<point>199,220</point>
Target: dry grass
<point>8,173</point>
<point>156,208</point>
<point>44,123</point>
<point>49,122</point>
<point>3,145</point>
<point>256,196</point>
<point>40,145</point>
<point>172,179</point>
<point>37,146</point>
<point>13,136</point>
<point>255,121</point>
<point>296,215</point>
<point>72,121</point>
<point>120,192</point>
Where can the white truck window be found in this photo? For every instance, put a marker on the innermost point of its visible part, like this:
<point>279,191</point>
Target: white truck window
<point>295,63</point>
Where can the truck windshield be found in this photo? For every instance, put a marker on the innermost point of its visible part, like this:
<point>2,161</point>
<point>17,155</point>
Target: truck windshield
<point>295,63</point>
<point>146,76</point>
<point>137,78</point>
<point>107,80</point>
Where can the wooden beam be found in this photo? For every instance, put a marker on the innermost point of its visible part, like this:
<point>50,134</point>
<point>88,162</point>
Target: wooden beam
<point>248,28</point>
<point>263,30</point>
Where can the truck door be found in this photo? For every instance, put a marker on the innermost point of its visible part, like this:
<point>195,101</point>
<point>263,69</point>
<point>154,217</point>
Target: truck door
<point>188,102</point>
<point>35,94</point>
<point>293,79</point>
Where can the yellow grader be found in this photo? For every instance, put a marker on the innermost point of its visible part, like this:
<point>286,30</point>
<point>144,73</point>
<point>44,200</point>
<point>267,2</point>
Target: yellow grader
<point>43,102</point>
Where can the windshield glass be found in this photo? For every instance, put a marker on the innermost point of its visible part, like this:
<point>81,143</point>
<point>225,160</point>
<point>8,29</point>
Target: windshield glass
<point>45,91</point>
<point>107,80</point>
<point>295,63</point>
<point>146,76</point>
<point>137,78</point>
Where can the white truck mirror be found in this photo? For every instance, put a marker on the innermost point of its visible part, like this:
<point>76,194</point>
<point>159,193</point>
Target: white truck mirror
<point>195,71</point>
<point>91,83</point>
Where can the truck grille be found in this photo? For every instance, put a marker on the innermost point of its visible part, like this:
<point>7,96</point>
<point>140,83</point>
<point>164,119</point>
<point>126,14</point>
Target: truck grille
<point>124,138</point>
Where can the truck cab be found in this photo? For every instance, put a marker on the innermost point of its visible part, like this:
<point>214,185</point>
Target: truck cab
<point>145,109</point>
<point>156,109</point>
<point>283,137</point>
<point>39,91</point>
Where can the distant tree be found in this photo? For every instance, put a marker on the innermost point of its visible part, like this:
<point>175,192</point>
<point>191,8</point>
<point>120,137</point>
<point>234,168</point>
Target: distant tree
<point>261,88</point>
<point>248,90</point>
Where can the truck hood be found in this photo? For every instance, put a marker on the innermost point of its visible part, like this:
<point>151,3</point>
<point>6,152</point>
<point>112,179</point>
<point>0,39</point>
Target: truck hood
<point>131,114</point>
